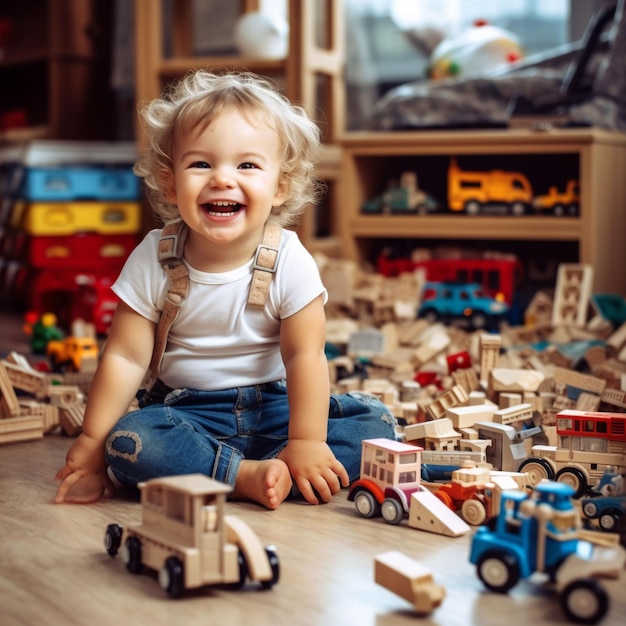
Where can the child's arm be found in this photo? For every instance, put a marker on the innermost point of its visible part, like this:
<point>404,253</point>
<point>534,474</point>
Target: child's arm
<point>123,364</point>
<point>311,462</point>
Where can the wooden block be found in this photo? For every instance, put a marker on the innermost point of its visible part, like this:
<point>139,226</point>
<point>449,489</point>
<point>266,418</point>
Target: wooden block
<point>10,405</point>
<point>514,380</point>
<point>428,512</point>
<point>467,416</point>
<point>572,293</point>
<point>18,429</point>
<point>408,579</point>
<point>71,420</point>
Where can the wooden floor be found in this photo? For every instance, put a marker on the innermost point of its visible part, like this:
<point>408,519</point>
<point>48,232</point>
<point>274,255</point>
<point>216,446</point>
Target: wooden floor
<point>54,569</point>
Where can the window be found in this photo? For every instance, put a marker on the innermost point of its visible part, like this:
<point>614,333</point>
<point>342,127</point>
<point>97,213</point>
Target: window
<point>389,42</point>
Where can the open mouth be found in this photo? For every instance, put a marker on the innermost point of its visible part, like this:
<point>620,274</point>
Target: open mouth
<point>222,209</point>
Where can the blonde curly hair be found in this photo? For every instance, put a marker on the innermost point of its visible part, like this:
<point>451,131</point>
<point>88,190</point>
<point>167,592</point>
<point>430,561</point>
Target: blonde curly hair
<point>194,102</point>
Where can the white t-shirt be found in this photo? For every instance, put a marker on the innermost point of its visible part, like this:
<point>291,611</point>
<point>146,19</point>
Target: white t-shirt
<point>218,341</point>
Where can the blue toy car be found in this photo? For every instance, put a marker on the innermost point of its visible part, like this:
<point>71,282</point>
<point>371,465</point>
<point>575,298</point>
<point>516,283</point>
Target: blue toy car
<point>606,509</point>
<point>461,303</point>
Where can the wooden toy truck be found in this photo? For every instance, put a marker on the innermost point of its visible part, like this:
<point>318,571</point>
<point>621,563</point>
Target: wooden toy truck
<point>389,486</point>
<point>185,536</point>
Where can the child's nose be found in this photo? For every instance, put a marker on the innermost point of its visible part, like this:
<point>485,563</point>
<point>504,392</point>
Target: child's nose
<point>221,178</point>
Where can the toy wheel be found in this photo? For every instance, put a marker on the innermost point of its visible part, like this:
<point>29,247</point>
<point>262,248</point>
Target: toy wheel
<point>473,512</point>
<point>392,511</point>
<point>366,505</point>
<point>113,538</point>
<point>558,209</point>
<point>518,208</point>
<point>499,571</point>
<point>243,571</point>
<point>272,557</point>
<point>537,470</point>
<point>479,320</point>
<point>573,477</point>
<point>172,577</point>
<point>131,555</point>
<point>585,601</point>
<point>608,521</point>
<point>430,315</point>
<point>472,207</point>
<point>590,509</point>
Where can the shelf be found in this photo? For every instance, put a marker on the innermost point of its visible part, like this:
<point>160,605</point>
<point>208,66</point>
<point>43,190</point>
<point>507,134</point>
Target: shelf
<point>523,228</point>
<point>176,67</point>
<point>547,158</point>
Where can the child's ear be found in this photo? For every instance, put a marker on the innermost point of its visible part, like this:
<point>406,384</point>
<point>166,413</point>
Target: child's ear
<point>282,192</point>
<point>168,185</point>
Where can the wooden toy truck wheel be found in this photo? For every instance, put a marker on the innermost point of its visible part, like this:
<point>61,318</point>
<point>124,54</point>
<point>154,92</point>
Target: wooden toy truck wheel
<point>473,512</point>
<point>537,470</point>
<point>113,539</point>
<point>366,505</point>
<point>498,570</point>
<point>131,555</point>
<point>272,557</point>
<point>172,577</point>
<point>573,477</point>
<point>243,571</point>
<point>392,511</point>
<point>585,601</point>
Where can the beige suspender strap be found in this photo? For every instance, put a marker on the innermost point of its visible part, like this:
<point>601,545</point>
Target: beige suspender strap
<point>170,251</point>
<point>265,264</point>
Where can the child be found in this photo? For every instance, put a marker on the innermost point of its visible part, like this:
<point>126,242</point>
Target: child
<point>243,392</point>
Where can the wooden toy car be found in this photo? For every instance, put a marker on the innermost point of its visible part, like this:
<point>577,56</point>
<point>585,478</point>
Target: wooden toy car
<point>185,536</point>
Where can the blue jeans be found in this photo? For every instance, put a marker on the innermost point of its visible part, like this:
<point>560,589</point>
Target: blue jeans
<point>184,431</point>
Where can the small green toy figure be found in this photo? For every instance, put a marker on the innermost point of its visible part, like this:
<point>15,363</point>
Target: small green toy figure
<point>41,331</point>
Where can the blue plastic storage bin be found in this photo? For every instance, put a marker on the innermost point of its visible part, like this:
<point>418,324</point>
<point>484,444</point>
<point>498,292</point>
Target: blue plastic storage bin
<point>75,183</point>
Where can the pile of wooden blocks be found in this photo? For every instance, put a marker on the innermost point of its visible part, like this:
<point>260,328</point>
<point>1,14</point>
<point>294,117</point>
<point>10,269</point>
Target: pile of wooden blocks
<point>34,403</point>
<point>565,358</point>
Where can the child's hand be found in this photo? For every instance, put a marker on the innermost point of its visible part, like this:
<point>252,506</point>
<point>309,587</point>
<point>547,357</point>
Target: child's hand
<point>83,477</point>
<point>314,469</point>
<point>81,487</point>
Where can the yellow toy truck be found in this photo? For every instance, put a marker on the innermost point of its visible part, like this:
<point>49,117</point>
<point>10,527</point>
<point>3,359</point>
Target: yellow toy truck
<point>73,354</point>
<point>185,536</point>
<point>481,192</point>
<point>557,202</point>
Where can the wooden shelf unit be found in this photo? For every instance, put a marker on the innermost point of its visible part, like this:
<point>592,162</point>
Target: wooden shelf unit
<point>311,75</point>
<point>596,157</point>
<point>55,70</point>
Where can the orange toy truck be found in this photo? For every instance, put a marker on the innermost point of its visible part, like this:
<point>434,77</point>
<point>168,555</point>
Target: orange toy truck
<point>479,192</point>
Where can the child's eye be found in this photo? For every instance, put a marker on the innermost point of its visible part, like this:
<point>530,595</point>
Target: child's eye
<point>200,164</point>
<point>247,166</point>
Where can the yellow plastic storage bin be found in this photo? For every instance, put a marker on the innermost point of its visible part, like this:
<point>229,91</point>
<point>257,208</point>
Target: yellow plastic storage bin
<point>68,218</point>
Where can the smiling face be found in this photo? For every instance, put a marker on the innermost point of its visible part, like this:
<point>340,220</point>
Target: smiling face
<point>226,181</point>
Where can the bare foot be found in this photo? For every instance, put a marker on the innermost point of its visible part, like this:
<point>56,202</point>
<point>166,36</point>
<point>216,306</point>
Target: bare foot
<point>267,482</point>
